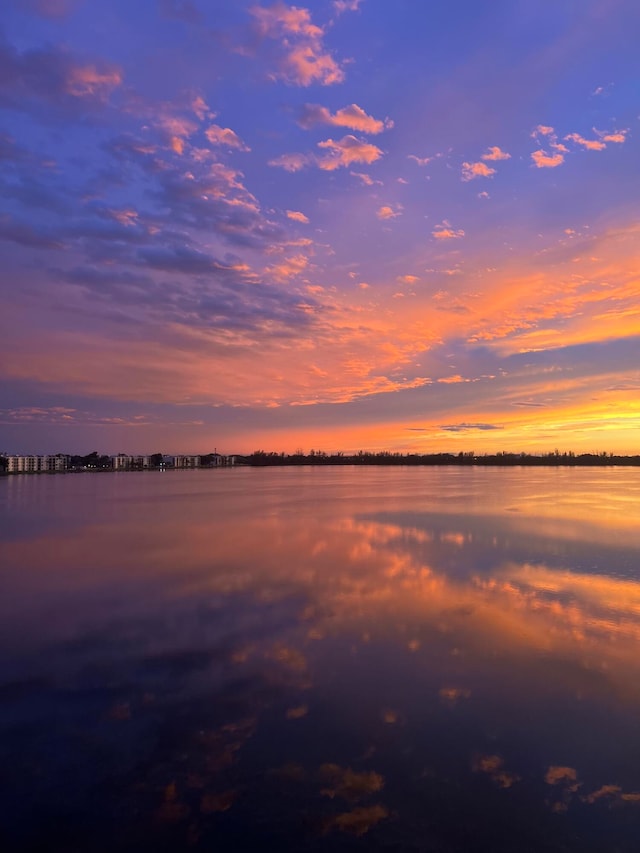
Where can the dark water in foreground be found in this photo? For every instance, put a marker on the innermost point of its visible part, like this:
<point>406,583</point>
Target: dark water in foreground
<point>321,659</point>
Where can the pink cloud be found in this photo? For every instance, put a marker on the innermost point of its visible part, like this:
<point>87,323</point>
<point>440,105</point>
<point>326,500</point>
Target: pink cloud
<point>201,108</point>
<point>288,267</point>
<point>542,160</point>
<point>291,162</point>
<point>589,144</point>
<point>303,59</point>
<point>476,170</point>
<point>175,128</point>
<point>346,151</point>
<point>618,136</point>
<point>367,180</point>
<point>389,212</point>
<point>542,130</point>
<point>346,5</point>
<point>297,216</point>
<point>352,116</point>
<point>89,81</point>
<point>421,161</point>
<point>281,19</point>
<point>444,231</point>
<point>225,136</point>
<point>496,153</point>
<point>305,65</point>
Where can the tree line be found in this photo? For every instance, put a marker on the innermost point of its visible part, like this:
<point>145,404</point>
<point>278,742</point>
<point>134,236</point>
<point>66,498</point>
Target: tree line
<point>385,457</point>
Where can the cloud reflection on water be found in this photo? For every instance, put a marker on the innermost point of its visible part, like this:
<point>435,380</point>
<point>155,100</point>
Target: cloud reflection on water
<point>341,652</point>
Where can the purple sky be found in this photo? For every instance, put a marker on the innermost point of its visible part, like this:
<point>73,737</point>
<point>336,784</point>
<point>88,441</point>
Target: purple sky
<point>351,224</point>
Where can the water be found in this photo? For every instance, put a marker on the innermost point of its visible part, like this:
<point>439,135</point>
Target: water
<point>313,659</point>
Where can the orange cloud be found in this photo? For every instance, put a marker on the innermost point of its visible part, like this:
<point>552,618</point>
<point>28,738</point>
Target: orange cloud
<point>305,65</point>
<point>281,19</point>
<point>367,180</point>
<point>542,130</point>
<point>346,151</point>
<point>618,136</point>
<point>349,785</point>
<point>589,144</point>
<point>493,766</point>
<point>88,80</point>
<point>389,212</point>
<point>297,216</point>
<point>201,108</point>
<point>476,170</point>
<point>360,820</point>
<point>339,153</point>
<point>542,160</point>
<point>352,117</point>
<point>444,231</point>
<point>304,60</point>
<point>496,153</point>
<point>288,267</point>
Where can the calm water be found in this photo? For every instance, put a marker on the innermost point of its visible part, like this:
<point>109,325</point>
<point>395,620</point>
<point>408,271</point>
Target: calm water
<point>313,659</point>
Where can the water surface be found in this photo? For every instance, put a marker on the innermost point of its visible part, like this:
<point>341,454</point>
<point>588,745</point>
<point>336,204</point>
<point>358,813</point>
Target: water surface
<point>321,658</point>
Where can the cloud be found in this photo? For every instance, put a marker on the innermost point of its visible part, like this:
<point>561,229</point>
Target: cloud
<point>348,784</point>
<point>297,216</point>
<point>346,151</point>
<point>339,153</point>
<point>56,77</point>
<point>225,136</point>
<point>389,211</point>
<point>604,136</point>
<point>589,144</point>
<point>26,235</point>
<point>495,153</point>
<point>358,821</point>
<point>476,170</point>
<point>421,161</point>
<point>542,130</point>
<point>465,427</point>
<point>367,180</point>
<point>543,160</point>
<point>291,162</point>
<point>407,279</point>
<point>352,117</point>
<point>342,6</point>
<point>493,766</point>
<point>302,58</point>
<point>618,136</point>
<point>557,775</point>
<point>444,231</point>
<point>288,267</point>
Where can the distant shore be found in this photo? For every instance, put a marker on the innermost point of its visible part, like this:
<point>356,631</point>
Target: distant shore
<point>263,459</point>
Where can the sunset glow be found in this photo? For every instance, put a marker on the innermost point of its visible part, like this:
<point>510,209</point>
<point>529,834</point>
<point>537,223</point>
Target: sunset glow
<point>350,224</point>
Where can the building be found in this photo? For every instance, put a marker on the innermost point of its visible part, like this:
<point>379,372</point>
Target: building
<point>50,463</point>
<point>187,462</point>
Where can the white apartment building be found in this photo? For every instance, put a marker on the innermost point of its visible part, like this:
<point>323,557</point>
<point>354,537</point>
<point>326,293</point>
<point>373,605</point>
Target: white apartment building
<point>187,462</point>
<point>36,464</point>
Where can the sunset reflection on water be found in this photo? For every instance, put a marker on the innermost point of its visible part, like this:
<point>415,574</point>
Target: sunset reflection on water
<point>300,658</point>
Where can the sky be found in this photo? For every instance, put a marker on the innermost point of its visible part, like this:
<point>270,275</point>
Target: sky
<point>350,224</point>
